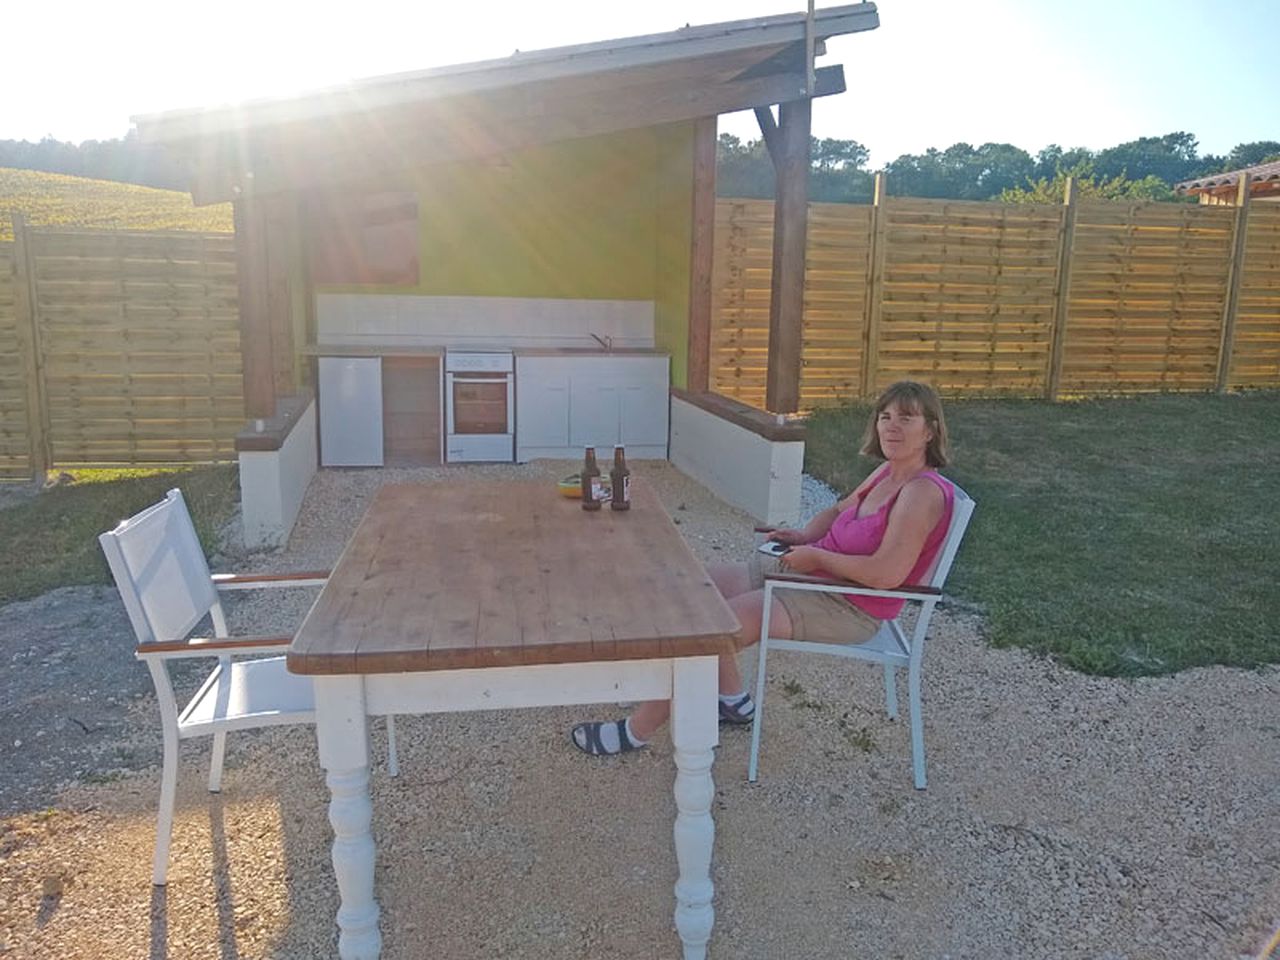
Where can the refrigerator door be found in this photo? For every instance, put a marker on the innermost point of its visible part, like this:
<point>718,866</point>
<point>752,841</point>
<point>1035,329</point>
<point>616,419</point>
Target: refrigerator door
<point>350,411</point>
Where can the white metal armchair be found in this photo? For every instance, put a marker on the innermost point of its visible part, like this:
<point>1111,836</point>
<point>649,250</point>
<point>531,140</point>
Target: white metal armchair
<point>167,589</point>
<point>890,646</point>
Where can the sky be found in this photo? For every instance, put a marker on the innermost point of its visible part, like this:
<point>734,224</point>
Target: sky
<point>1090,73</point>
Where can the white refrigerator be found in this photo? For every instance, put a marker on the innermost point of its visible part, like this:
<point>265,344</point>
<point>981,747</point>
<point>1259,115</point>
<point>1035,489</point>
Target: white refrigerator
<point>350,411</point>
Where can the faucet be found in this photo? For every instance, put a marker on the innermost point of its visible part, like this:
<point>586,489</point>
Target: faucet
<point>606,342</point>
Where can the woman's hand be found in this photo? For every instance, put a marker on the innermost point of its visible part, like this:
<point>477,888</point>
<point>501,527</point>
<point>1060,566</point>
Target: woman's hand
<point>802,560</point>
<point>792,538</point>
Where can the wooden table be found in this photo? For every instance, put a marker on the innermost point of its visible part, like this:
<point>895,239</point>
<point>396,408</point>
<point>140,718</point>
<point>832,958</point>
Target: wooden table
<point>487,595</point>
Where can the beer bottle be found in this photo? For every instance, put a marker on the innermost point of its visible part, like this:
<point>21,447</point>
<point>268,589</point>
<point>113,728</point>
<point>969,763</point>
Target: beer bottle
<point>620,480</point>
<point>590,481</point>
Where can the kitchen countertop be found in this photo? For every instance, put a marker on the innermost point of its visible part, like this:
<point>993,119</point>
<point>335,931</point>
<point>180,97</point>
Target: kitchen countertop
<point>590,352</point>
<point>343,350</point>
<point>393,350</point>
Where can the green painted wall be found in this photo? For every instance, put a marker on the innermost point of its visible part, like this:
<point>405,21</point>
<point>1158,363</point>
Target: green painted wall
<point>601,218</point>
<point>674,236</point>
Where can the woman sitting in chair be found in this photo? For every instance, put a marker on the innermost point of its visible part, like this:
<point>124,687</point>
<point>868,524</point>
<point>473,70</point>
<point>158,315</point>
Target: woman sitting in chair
<point>886,533</point>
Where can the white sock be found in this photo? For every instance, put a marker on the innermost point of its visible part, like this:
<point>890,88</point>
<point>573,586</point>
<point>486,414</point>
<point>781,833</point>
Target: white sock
<point>729,699</point>
<point>631,735</point>
<point>609,737</point>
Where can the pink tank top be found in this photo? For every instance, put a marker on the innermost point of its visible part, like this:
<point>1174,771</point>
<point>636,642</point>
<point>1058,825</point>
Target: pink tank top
<point>861,536</point>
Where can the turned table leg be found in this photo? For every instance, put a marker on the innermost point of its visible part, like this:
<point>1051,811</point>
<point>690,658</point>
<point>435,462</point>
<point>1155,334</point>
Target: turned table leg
<point>694,732</point>
<point>343,735</point>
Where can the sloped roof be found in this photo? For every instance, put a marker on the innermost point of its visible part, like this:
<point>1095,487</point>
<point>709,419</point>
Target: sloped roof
<point>1259,173</point>
<point>477,109</point>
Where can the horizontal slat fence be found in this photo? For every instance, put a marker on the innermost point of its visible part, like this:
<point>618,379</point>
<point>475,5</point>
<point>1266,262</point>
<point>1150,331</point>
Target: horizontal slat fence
<point>1256,358</point>
<point>971,296</point>
<point>15,442</point>
<point>137,347</point>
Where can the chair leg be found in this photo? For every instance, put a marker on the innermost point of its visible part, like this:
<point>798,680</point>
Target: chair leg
<point>215,762</point>
<point>890,691</point>
<point>393,761</point>
<point>917,724</point>
<point>164,819</point>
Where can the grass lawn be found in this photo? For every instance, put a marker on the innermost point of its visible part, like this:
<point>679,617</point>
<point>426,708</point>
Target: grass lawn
<point>52,540</point>
<point>1124,537</point>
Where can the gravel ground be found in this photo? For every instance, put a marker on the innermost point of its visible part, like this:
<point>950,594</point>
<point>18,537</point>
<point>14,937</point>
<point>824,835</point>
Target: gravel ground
<point>1067,816</point>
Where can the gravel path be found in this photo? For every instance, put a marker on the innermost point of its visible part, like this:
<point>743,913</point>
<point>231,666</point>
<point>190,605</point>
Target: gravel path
<point>1067,816</point>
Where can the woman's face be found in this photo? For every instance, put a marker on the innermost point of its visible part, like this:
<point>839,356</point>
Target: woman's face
<point>904,434</point>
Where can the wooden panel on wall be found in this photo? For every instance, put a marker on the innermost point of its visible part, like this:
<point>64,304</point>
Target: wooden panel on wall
<point>363,239</point>
<point>832,327</point>
<point>140,343</point>
<point>1148,283</point>
<point>967,297</point>
<point>15,445</point>
<point>1255,360</point>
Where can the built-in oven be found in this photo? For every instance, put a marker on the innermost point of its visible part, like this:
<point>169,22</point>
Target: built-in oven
<point>479,406</point>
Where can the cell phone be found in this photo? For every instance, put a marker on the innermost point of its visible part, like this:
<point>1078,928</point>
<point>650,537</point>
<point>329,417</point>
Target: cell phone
<point>773,548</point>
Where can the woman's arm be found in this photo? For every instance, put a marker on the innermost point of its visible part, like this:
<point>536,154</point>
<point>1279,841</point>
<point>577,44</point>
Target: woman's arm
<point>917,510</point>
<point>817,528</point>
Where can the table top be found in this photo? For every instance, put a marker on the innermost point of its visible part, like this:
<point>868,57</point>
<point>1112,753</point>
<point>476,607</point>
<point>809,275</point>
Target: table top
<point>447,576</point>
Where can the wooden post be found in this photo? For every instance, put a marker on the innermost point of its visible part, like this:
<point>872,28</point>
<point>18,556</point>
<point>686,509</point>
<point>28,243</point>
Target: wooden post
<point>28,329</point>
<point>874,301</point>
<point>1235,268</point>
<point>281,227</point>
<point>1061,292</point>
<point>255,319</point>
<point>702,254</point>
<point>790,224</point>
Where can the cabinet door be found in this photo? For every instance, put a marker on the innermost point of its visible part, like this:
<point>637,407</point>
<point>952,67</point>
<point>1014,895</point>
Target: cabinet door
<point>643,414</point>
<point>593,412</point>
<point>542,414</point>
<point>643,401</point>
<point>350,411</point>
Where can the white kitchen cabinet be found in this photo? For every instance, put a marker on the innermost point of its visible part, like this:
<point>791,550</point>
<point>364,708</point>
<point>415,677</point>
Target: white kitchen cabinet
<point>350,411</point>
<point>564,403</point>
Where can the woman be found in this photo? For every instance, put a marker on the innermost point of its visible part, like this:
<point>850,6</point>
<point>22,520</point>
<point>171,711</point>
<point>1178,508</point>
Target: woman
<point>884,534</point>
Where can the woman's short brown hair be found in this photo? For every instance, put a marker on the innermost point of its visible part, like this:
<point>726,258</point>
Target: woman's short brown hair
<point>915,398</point>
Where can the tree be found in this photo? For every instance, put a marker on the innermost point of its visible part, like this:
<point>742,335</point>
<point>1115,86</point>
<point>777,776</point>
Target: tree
<point>1250,155</point>
<point>1172,157</point>
<point>1088,184</point>
<point>836,170</point>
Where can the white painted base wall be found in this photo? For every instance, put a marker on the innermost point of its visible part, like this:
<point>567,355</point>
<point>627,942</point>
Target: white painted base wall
<point>760,476</point>
<point>273,483</point>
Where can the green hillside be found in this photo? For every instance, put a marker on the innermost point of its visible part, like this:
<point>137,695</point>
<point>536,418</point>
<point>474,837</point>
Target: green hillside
<point>52,200</point>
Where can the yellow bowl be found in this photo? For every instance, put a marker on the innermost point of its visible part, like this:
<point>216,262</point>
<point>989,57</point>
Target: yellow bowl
<point>571,486</point>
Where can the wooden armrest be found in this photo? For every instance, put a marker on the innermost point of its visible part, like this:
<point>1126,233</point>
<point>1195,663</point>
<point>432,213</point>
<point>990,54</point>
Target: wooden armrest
<point>210,646</point>
<point>253,581</point>
<point>852,586</point>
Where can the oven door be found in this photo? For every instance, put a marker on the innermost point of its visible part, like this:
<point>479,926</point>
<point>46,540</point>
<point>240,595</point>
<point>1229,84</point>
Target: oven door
<point>480,418</point>
<point>478,404</point>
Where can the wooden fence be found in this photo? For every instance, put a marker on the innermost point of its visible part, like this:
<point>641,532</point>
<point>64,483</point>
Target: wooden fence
<point>117,347</point>
<point>988,299</point>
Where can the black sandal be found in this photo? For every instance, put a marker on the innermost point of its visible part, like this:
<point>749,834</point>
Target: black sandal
<point>591,743</point>
<point>740,712</point>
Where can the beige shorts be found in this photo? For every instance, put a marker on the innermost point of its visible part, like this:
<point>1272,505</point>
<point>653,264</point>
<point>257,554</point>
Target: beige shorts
<point>824,617</point>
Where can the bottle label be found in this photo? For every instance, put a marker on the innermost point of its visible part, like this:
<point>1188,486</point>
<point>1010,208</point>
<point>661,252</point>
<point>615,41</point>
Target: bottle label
<point>598,491</point>
<point>626,489</point>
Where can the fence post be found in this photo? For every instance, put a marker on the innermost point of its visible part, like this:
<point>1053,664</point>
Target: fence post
<point>875,290</point>
<point>29,344</point>
<point>1061,292</point>
<point>1234,269</point>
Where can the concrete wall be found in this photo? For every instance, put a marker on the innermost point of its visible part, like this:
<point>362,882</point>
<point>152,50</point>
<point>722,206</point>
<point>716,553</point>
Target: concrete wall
<point>273,483</point>
<point>741,467</point>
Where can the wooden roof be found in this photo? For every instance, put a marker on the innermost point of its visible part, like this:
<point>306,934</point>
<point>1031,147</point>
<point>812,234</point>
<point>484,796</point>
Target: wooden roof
<point>1263,178</point>
<point>369,129</point>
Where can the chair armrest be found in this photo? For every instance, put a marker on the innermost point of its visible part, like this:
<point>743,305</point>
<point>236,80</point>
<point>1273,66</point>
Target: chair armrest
<point>212,646</point>
<point>255,581</point>
<point>833,585</point>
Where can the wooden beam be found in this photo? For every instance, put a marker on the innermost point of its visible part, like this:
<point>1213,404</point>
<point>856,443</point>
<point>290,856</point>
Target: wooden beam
<point>255,319</point>
<point>280,223</point>
<point>300,158</point>
<point>1061,292</point>
<point>701,254</point>
<point>40,455</point>
<point>790,226</point>
<point>1231,303</point>
<point>769,132</point>
<point>874,302</point>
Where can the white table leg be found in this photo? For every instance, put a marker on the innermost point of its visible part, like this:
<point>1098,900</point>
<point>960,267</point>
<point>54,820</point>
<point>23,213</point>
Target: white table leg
<point>694,732</point>
<point>343,735</point>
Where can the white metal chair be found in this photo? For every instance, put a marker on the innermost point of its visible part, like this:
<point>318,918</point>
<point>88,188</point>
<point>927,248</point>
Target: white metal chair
<point>167,589</point>
<point>890,645</point>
